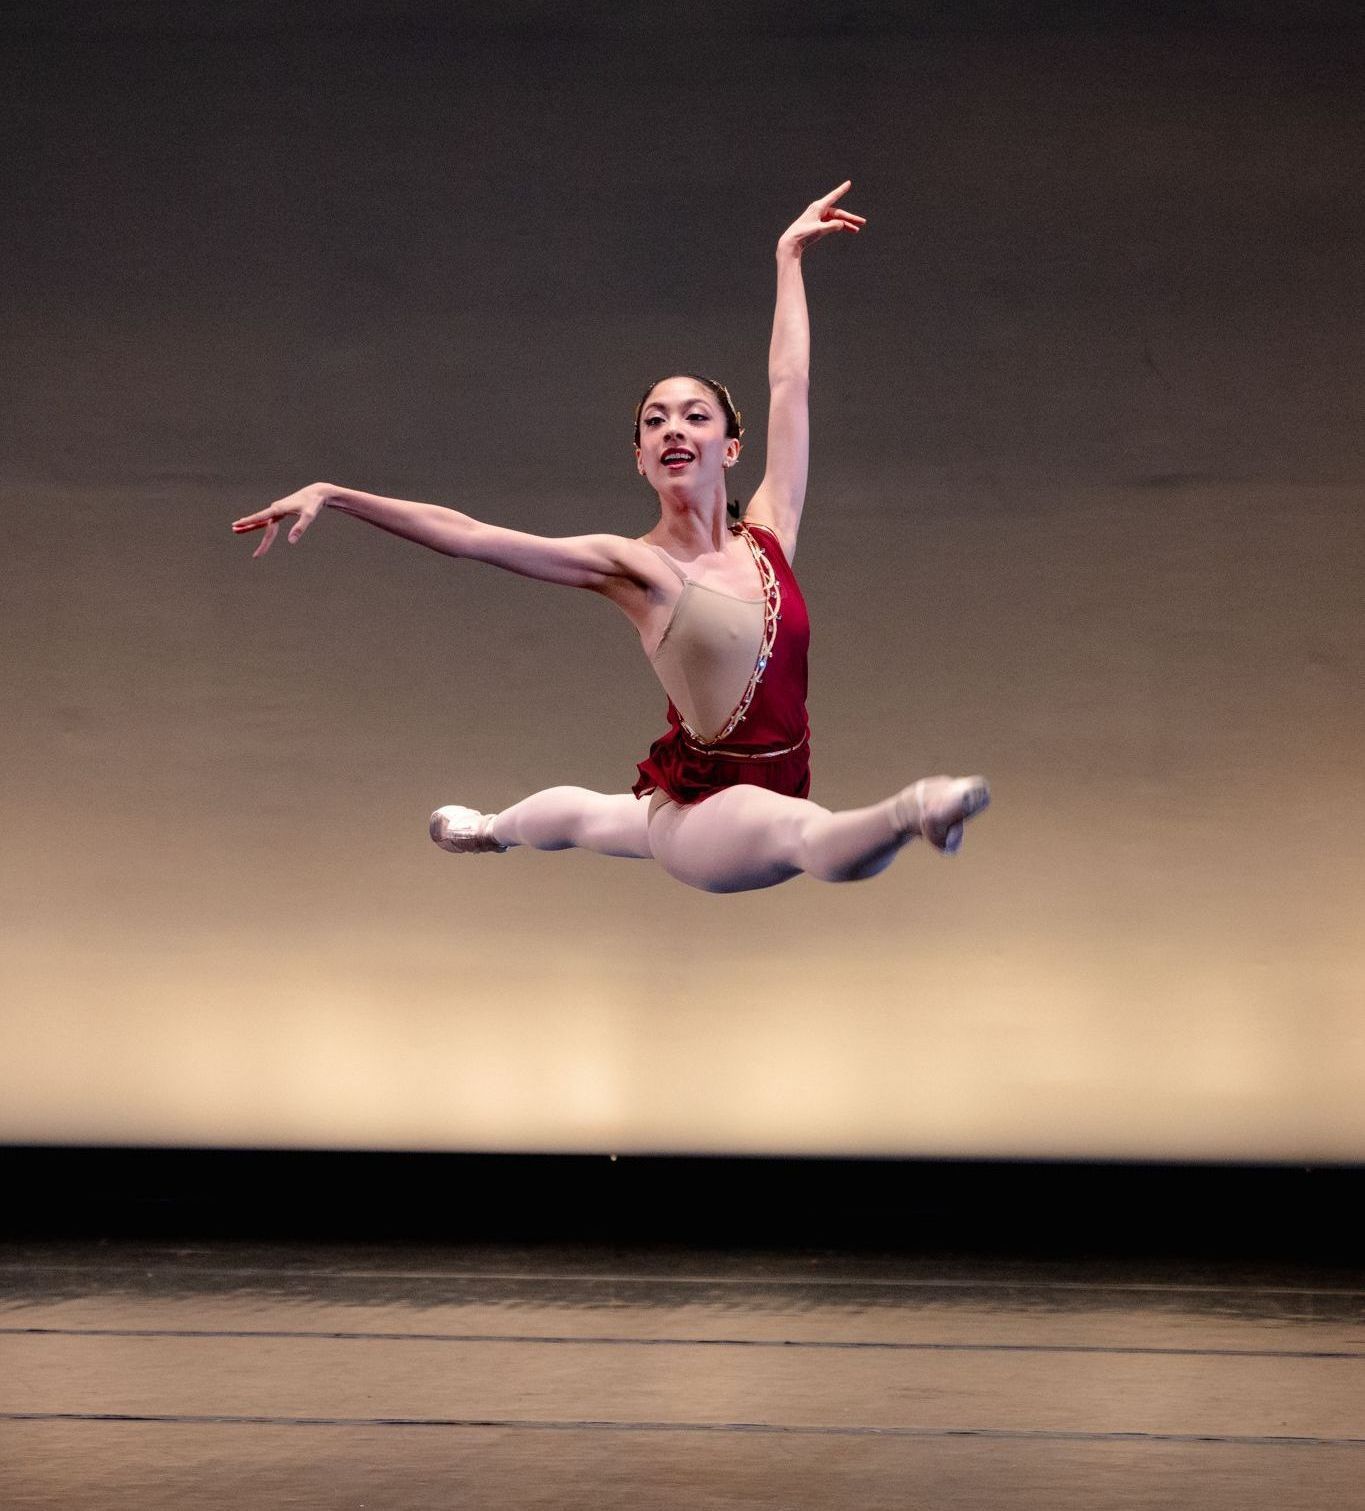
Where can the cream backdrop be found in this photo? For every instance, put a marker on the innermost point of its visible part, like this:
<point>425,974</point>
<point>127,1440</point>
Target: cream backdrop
<point>1084,515</point>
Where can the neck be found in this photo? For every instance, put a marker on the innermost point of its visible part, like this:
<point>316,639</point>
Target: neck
<point>693,524</point>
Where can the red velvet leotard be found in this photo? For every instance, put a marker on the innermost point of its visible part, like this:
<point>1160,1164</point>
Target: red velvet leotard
<point>770,745</point>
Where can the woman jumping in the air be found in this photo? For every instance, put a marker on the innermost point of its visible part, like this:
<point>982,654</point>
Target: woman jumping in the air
<point>721,800</point>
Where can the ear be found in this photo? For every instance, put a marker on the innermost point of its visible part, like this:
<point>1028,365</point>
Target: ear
<point>733,447</point>
<point>640,466</point>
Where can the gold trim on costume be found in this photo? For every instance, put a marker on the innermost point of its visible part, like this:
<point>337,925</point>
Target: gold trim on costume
<point>750,755</point>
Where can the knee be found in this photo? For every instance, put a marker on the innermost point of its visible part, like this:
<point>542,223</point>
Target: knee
<point>586,815</point>
<point>809,851</point>
<point>818,854</point>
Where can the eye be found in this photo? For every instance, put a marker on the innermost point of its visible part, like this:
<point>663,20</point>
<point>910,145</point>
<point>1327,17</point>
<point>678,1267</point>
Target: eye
<point>699,416</point>
<point>654,419</point>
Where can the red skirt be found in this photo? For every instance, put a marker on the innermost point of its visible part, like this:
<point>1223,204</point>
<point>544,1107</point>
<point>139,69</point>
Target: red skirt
<point>687,773</point>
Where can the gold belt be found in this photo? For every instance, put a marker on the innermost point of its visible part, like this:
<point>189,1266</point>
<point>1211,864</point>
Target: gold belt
<point>744,755</point>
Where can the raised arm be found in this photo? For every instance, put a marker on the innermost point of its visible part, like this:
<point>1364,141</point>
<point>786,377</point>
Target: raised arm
<point>598,562</point>
<point>782,492</point>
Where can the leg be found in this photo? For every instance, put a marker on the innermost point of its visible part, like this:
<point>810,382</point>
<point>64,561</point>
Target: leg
<point>746,837</point>
<point>563,818</point>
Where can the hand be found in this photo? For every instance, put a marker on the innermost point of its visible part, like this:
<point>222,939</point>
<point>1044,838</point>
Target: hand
<point>820,218</point>
<point>307,503</point>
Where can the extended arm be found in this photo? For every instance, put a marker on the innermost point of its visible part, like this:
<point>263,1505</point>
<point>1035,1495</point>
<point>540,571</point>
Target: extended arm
<point>598,562</point>
<point>782,492</point>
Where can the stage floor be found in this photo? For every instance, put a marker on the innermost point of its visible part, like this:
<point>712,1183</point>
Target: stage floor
<point>402,1377</point>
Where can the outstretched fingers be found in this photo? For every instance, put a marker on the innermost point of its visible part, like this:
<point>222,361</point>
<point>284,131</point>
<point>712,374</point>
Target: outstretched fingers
<point>822,217</point>
<point>263,519</point>
<point>306,504</point>
<point>831,214</point>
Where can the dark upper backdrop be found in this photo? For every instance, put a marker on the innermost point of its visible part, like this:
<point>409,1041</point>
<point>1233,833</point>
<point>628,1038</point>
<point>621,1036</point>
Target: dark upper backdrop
<point>1083,514</point>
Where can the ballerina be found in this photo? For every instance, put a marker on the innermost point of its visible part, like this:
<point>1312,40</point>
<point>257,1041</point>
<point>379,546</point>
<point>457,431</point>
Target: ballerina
<point>721,801</point>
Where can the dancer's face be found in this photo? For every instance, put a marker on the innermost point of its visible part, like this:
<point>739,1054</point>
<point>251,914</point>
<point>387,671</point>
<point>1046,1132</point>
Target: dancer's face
<point>682,415</point>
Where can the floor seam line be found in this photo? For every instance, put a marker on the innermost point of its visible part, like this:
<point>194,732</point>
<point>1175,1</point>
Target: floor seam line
<point>739,1428</point>
<point>600,1341</point>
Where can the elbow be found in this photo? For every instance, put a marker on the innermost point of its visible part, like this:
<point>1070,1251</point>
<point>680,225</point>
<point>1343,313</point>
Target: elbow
<point>470,538</point>
<point>789,377</point>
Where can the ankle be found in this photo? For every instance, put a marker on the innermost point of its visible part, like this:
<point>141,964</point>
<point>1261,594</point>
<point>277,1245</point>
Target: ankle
<point>907,811</point>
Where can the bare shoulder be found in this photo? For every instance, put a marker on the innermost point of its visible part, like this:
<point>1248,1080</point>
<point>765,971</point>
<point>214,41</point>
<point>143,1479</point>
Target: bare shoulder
<point>640,575</point>
<point>643,558</point>
<point>637,563</point>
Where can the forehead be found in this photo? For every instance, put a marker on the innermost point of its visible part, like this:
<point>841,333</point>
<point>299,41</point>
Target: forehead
<point>678,391</point>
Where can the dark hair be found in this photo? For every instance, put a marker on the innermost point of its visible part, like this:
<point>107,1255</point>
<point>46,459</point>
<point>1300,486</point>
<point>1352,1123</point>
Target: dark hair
<point>733,427</point>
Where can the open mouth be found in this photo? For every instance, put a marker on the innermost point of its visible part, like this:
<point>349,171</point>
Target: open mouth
<point>675,459</point>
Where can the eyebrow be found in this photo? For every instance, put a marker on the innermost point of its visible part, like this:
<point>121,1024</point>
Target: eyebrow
<point>659,404</point>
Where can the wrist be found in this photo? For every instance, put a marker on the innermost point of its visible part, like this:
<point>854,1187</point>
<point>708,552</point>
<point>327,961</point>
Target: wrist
<point>788,251</point>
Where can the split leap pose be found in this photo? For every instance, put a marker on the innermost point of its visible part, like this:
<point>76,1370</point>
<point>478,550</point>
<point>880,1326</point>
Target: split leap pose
<point>721,800</point>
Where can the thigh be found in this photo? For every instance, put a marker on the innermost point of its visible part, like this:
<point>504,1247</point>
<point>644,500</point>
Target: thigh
<point>733,841</point>
<point>617,823</point>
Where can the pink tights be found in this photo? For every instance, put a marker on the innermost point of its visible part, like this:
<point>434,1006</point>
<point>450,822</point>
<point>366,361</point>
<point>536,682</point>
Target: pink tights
<point>734,841</point>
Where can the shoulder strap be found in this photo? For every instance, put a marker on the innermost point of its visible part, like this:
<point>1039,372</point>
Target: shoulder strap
<point>682,576</point>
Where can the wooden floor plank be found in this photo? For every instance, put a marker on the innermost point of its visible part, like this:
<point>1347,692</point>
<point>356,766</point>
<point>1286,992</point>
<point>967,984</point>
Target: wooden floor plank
<point>134,1467</point>
<point>337,1378</point>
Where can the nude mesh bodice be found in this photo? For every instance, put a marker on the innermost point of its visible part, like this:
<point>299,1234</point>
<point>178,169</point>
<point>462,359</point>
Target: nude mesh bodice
<point>713,650</point>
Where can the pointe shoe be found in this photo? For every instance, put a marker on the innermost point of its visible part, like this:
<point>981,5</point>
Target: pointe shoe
<point>943,804</point>
<point>464,831</point>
